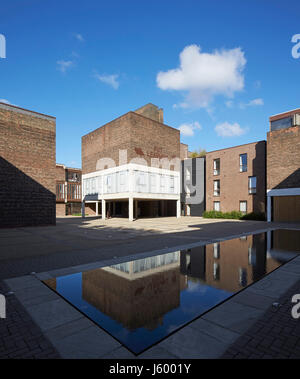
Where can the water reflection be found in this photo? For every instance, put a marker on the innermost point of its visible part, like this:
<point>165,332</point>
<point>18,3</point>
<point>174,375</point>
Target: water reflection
<point>140,302</point>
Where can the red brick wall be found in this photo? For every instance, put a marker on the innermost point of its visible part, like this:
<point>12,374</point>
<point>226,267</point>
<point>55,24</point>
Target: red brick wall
<point>27,168</point>
<point>140,136</point>
<point>60,174</point>
<point>90,209</point>
<point>283,158</point>
<point>60,209</point>
<point>183,151</point>
<point>233,183</point>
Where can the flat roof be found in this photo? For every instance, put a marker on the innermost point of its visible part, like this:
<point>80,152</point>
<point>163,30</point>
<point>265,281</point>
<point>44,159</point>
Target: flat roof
<point>17,109</point>
<point>123,115</point>
<point>66,167</point>
<point>286,113</point>
<point>233,147</point>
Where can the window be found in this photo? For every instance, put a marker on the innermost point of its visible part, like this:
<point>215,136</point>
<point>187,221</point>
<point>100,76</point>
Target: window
<point>107,179</point>
<point>217,166</point>
<point>252,184</point>
<point>141,181</point>
<point>216,272</point>
<point>243,206</point>
<point>216,206</point>
<point>73,176</point>
<point>242,277</point>
<point>216,250</point>
<point>188,174</point>
<point>243,162</point>
<point>282,123</point>
<point>162,184</point>
<point>187,191</point>
<point>172,186</point>
<point>252,256</point>
<point>122,178</point>
<point>152,183</point>
<point>216,187</point>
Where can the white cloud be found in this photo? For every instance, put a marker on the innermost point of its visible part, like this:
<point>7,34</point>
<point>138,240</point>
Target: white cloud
<point>79,37</point>
<point>204,75</point>
<point>109,79</point>
<point>229,103</point>
<point>188,129</point>
<point>63,66</point>
<point>252,103</point>
<point>226,129</point>
<point>4,101</point>
<point>255,102</point>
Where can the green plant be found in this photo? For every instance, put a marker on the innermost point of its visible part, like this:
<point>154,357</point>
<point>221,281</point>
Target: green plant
<point>259,216</point>
<point>235,215</point>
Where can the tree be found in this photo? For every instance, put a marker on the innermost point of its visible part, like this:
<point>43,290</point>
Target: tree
<point>197,153</point>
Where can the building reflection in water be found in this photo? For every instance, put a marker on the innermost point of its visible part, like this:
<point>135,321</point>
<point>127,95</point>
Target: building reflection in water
<point>137,293</point>
<point>163,292</point>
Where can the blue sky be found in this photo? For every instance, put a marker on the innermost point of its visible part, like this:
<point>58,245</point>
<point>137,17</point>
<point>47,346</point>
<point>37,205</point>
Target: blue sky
<point>219,69</point>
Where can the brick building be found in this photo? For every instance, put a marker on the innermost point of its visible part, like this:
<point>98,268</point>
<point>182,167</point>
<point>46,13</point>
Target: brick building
<point>236,178</point>
<point>283,167</point>
<point>27,167</point>
<point>131,166</point>
<point>68,190</point>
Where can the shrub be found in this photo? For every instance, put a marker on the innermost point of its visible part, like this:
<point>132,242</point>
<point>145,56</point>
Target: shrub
<point>218,214</point>
<point>260,216</point>
<point>235,215</point>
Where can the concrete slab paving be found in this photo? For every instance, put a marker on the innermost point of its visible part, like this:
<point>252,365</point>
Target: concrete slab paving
<point>253,300</point>
<point>74,336</point>
<point>53,313</point>
<point>223,335</point>
<point>234,316</point>
<point>191,343</point>
<point>119,353</point>
<point>87,343</point>
<point>276,284</point>
<point>60,332</point>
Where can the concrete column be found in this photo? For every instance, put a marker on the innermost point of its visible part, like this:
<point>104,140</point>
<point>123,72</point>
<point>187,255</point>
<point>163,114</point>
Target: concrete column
<point>269,242</point>
<point>178,209</point>
<point>136,208</point>
<point>83,209</point>
<point>269,208</point>
<point>97,208</point>
<point>130,208</point>
<point>103,209</point>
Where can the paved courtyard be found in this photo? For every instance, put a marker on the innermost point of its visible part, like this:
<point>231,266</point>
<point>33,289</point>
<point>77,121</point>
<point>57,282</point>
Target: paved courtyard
<point>40,324</point>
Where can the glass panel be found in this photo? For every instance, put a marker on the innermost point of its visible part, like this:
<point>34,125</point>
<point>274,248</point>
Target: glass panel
<point>216,166</point>
<point>243,206</point>
<point>243,162</point>
<point>216,187</point>
<point>252,184</point>
<point>216,206</point>
<point>283,123</point>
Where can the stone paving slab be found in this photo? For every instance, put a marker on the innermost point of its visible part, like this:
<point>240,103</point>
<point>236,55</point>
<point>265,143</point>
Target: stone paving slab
<point>90,343</point>
<point>210,336</point>
<point>276,335</point>
<point>20,337</point>
<point>69,334</point>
